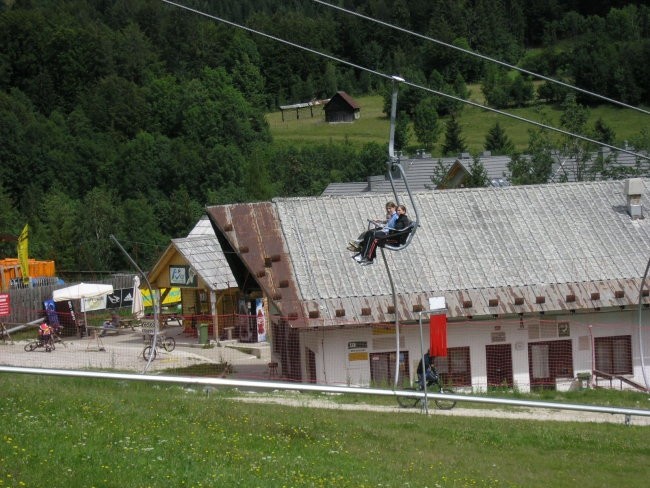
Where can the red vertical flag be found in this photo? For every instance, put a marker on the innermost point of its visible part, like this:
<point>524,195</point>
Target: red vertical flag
<point>438,335</point>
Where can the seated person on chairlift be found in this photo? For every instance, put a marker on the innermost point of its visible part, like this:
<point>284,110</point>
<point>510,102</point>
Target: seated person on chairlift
<point>378,238</point>
<point>356,245</point>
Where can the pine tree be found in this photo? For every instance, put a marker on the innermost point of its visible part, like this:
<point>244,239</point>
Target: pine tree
<point>425,123</point>
<point>604,133</point>
<point>478,177</point>
<point>497,141</point>
<point>454,141</point>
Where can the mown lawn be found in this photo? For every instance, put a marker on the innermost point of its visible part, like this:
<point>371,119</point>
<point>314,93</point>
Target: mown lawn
<point>373,125</point>
<point>66,432</point>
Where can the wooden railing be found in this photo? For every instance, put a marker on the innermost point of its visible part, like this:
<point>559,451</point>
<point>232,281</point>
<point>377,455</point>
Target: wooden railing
<point>611,377</point>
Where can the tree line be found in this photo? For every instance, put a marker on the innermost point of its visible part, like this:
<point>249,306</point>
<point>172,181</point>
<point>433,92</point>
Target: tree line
<point>128,117</point>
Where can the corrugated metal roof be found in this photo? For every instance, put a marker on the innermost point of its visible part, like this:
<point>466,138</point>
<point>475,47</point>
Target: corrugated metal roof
<point>345,188</point>
<point>420,170</point>
<point>525,249</point>
<point>202,228</point>
<point>205,255</point>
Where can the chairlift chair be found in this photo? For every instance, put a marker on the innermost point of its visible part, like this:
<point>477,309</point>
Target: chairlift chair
<point>397,240</point>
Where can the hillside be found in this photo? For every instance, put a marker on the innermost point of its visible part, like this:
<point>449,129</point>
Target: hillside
<point>373,126</point>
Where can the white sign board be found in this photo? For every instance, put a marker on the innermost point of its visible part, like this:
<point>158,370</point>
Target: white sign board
<point>437,303</point>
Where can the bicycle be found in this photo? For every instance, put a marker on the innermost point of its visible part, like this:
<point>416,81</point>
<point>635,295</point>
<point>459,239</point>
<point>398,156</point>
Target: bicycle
<point>433,386</point>
<point>167,343</point>
<point>47,343</point>
<point>56,337</point>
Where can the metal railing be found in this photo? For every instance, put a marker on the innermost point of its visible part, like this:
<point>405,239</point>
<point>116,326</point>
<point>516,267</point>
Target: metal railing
<point>277,385</point>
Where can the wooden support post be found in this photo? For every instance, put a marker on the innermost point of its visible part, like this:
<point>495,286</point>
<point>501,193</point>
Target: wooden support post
<point>5,333</point>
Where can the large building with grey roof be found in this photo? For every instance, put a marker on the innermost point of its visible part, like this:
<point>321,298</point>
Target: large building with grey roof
<point>539,282</point>
<point>426,173</point>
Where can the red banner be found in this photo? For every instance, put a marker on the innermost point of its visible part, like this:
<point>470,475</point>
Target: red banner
<point>4,304</point>
<point>438,335</point>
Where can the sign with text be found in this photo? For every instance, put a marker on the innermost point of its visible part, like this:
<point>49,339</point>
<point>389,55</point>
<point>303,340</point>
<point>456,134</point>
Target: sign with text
<point>181,275</point>
<point>120,298</point>
<point>90,304</point>
<point>5,309</point>
<point>50,311</point>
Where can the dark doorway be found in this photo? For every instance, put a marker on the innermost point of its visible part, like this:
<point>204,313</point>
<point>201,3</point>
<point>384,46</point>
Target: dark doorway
<point>382,368</point>
<point>499,365</point>
<point>548,361</point>
<point>311,365</point>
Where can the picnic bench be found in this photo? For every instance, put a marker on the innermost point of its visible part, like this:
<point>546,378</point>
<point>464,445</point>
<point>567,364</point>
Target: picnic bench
<point>129,323</point>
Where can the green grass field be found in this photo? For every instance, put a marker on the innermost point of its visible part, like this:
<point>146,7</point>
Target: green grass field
<point>373,125</point>
<point>66,432</point>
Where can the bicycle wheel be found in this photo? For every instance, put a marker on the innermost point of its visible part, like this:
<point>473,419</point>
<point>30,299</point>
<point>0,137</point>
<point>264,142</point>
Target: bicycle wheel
<point>169,344</point>
<point>149,351</point>
<point>442,403</point>
<point>407,401</point>
<point>30,346</point>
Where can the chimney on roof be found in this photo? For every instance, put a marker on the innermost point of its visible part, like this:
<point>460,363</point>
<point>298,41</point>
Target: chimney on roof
<point>373,181</point>
<point>633,191</point>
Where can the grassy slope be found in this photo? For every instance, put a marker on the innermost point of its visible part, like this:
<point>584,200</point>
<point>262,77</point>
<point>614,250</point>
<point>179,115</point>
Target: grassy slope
<point>373,126</point>
<point>81,432</point>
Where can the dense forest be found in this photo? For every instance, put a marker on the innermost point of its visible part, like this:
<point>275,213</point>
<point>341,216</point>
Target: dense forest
<point>127,117</point>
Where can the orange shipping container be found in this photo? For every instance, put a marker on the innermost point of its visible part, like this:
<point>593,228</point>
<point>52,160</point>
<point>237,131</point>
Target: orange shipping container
<point>10,270</point>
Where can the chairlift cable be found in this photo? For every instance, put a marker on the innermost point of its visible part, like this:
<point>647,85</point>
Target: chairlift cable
<point>414,85</point>
<point>485,58</point>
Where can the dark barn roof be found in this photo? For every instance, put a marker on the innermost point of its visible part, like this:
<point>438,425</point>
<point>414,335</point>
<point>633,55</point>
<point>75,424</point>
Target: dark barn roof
<point>341,108</point>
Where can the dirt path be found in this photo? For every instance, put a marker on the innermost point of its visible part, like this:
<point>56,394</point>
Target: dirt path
<point>541,414</point>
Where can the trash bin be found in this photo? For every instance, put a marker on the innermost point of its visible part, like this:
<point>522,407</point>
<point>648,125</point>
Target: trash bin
<point>203,333</point>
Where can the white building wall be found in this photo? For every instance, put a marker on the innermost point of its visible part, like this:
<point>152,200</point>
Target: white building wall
<point>337,363</point>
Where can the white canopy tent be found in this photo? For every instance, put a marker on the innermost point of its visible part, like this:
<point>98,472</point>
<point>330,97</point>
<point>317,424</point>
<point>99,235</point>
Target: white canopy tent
<point>82,291</point>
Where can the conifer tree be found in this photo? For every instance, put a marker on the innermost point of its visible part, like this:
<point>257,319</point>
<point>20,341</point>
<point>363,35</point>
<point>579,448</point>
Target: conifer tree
<point>454,141</point>
<point>497,141</point>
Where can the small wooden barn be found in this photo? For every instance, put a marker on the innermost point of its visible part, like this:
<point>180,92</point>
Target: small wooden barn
<point>342,108</point>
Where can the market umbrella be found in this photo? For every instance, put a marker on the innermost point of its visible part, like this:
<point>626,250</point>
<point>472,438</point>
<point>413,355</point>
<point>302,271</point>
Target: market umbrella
<point>137,305</point>
<point>90,294</point>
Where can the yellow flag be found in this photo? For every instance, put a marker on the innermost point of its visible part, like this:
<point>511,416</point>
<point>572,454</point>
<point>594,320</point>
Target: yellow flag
<point>23,253</point>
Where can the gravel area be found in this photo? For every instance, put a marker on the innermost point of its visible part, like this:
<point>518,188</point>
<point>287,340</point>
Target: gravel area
<point>123,353</point>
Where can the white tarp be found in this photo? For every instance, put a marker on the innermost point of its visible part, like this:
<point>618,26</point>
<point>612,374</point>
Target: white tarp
<point>82,291</point>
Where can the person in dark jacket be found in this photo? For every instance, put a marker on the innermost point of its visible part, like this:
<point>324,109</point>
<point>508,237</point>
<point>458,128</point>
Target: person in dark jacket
<point>426,366</point>
<point>378,238</point>
<point>358,244</point>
